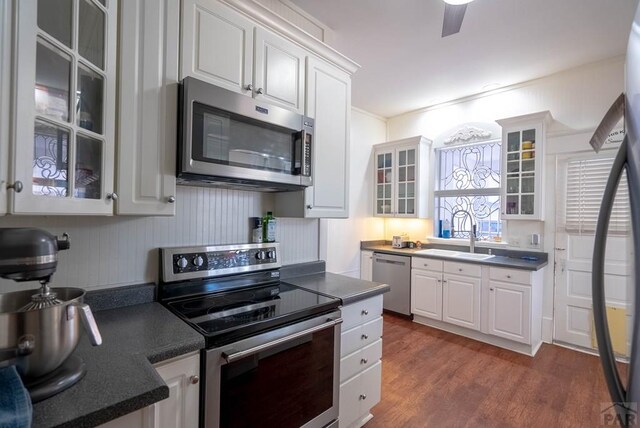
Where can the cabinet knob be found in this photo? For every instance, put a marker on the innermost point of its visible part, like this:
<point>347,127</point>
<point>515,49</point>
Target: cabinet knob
<point>194,379</point>
<point>491,289</point>
<point>439,280</point>
<point>364,361</point>
<point>309,207</point>
<point>259,91</point>
<point>171,199</point>
<point>112,196</point>
<point>249,87</point>
<point>364,337</point>
<point>365,312</point>
<point>363,396</point>
<point>509,276</point>
<point>459,269</point>
<point>17,186</point>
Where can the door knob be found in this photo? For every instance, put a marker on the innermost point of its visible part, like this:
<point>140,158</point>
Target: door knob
<point>17,186</point>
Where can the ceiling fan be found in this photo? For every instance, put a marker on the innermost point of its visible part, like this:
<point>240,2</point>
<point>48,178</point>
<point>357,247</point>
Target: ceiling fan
<point>453,15</point>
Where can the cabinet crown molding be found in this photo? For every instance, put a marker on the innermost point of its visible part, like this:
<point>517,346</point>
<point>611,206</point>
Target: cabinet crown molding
<point>468,134</point>
<point>542,116</point>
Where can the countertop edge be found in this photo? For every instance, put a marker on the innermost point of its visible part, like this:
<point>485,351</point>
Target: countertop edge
<point>516,264</point>
<point>381,289</point>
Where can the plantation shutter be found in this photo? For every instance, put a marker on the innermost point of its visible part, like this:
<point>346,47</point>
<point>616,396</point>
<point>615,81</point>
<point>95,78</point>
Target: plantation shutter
<point>586,180</point>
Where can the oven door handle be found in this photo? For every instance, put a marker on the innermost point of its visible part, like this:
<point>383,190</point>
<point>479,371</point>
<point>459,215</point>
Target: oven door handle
<point>235,356</point>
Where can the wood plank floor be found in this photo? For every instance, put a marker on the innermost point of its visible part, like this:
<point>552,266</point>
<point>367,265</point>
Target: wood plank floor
<point>431,378</point>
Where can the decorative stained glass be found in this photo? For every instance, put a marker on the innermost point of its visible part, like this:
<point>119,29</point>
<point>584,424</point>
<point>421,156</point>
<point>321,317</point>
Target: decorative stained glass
<point>468,189</point>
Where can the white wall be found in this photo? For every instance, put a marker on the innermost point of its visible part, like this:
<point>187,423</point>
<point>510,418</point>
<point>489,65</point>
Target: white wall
<point>112,251</point>
<point>577,99</point>
<point>343,236</point>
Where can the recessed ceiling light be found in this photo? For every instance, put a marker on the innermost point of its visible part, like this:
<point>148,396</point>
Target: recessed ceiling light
<point>457,2</point>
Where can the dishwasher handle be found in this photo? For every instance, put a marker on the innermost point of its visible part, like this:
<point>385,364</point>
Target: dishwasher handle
<point>391,262</point>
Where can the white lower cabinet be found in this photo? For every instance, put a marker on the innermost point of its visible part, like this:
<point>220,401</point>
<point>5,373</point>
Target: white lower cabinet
<point>461,300</point>
<point>426,293</point>
<point>485,303</point>
<point>509,311</point>
<point>366,265</point>
<point>360,362</point>
<point>181,409</point>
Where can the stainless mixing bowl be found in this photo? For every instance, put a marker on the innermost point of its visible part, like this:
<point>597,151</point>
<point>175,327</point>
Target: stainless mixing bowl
<point>39,341</point>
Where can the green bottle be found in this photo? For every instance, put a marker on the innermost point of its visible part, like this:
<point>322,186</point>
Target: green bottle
<point>269,228</point>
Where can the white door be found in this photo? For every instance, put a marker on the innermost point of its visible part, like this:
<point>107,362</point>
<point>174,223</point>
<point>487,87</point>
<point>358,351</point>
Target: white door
<point>509,311</point>
<point>217,45</point>
<point>148,103</point>
<point>426,293</point>
<point>329,103</point>
<point>573,315</point>
<point>461,301</point>
<point>279,71</point>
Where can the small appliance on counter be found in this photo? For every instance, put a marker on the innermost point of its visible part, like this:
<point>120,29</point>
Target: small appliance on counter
<point>400,241</point>
<point>39,332</point>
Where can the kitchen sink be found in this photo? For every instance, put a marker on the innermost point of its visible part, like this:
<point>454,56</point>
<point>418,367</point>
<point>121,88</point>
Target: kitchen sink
<point>437,252</point>
<point>454,254</point>
<point>473,256</point>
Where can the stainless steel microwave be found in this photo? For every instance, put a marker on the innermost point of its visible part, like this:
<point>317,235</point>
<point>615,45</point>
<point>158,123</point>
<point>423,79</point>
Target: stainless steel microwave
<point>232,140</point>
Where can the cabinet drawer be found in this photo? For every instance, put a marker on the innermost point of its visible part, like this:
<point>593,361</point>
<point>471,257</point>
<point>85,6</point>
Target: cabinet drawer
<point>361,312</point>
<point>510,275</point>
<point>360,360</point>
<point>466,269</point>
<point>359,394</point>
<point>360,336</point>
<point>429,264</point>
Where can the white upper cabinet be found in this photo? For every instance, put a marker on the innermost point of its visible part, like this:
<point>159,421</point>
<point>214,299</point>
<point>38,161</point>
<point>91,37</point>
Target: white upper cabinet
<point>147,107</point>
<point>5,97</point>
<point>522,177</point>
<point>279,71</point>
<point>217,45</point>
<point>401,177</point>
<point>328,101</point>
<point>64,107</point>
<point>221,46</point>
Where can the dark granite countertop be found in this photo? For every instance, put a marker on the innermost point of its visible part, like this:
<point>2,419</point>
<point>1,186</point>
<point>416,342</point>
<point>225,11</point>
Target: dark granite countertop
<point>503,258</point>
<point>342,287</point>
<point>120,377</point>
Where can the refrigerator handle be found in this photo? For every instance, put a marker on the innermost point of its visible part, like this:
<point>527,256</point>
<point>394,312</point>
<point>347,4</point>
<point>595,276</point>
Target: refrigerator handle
<point>616,388</point>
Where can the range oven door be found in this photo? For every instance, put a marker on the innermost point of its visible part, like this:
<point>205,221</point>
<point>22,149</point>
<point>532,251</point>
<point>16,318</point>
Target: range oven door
<point>230,136</point>
<point>286,378</point>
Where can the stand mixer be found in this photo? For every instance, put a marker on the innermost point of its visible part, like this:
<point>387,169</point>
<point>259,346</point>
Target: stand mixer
<point>39,332</point>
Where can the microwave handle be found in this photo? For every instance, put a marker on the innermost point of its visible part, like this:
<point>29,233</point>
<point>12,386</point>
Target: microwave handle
<point>235,356</point>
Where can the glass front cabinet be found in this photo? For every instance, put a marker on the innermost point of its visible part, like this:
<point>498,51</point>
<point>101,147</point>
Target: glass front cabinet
<point>522,166</point>
<point>400,172</point>
<point>64,104</point>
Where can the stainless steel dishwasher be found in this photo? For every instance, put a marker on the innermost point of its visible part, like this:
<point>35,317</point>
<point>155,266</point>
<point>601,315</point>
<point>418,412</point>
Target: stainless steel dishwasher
<point>396,272</point>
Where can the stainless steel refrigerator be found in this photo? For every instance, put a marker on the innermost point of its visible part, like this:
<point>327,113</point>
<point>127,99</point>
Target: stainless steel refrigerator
<point>628,157</point>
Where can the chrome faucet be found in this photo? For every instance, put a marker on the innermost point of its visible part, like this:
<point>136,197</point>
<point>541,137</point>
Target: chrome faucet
<point>472,232</point>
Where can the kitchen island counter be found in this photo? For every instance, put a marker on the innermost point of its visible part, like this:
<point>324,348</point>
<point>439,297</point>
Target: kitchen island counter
<point>120,375</point>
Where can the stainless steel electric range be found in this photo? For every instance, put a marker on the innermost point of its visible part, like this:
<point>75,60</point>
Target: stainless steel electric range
<point>272,349</point>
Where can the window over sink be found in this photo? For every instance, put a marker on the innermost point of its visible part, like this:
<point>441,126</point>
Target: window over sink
<point>468,179</point>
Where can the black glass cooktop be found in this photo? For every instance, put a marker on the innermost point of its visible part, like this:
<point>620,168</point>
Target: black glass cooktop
<point>230,315</point>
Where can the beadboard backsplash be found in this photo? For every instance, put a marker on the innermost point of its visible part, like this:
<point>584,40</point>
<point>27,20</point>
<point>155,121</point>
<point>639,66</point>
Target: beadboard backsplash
<point>112,251</point>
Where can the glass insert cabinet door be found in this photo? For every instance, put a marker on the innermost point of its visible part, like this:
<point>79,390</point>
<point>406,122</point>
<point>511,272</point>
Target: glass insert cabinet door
<point>406,189</point>
<point>65,104</point>
<point>521,172</point>
<point>384,178</point>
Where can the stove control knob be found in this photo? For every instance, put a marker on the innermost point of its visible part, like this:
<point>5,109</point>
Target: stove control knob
<point>271,254</point>
<point>198,261</point>
<point>182,262</point>
<point>260,255</point>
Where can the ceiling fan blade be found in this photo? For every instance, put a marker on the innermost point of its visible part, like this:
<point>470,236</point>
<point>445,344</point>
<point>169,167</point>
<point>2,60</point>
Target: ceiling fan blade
<point>453,16</point>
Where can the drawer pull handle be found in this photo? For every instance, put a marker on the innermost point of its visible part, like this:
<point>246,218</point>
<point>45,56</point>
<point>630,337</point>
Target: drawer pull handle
<point>365,312</point>
<point>364,337</point>
<point>364,361</point>
<point>363,396</point>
